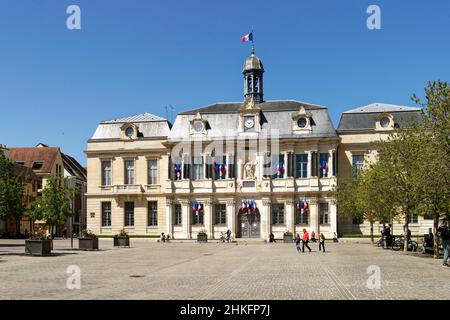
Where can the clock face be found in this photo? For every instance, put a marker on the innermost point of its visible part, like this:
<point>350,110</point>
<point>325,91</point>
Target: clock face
<point>198,126</point>
<point>301,122</point>
<point>384,122</point>
<point>249,123</point>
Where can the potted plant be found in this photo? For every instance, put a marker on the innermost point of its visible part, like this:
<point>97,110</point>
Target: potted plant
<point>122,239</point>
<point>288,237</point>
<point>202,236</point>
<point>87,240</point>
<point>38,245</point>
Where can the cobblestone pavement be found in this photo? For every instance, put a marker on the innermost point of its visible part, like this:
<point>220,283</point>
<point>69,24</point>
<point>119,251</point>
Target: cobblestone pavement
<point>252,270</point>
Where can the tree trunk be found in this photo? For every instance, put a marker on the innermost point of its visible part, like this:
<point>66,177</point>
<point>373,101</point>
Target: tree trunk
<point>405,236</point>
<point>435,237</point>
<point>17,222</point>
<point>371,232</point>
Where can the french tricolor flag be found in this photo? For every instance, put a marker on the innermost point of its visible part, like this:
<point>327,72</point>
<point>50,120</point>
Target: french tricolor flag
<point>247,37</point>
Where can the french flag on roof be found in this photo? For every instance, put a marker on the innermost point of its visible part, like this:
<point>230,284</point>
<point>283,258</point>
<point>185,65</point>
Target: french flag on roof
<point>247,37</point>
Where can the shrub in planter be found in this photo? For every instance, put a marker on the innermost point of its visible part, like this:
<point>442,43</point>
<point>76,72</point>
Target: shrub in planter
<point>38,245</point>
<point>88,240</point>
<point>288,237</point>
<point>202,236</point>
<point>122,239</point>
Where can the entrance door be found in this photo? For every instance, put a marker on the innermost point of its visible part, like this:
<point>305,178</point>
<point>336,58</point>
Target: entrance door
<point>249,224</point>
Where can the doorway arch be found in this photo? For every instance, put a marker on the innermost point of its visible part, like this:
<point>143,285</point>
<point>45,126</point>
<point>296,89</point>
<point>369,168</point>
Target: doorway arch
<point>249,224</point>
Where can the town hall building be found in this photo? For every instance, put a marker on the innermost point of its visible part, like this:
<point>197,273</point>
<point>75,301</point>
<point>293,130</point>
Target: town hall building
<point>255,167</point>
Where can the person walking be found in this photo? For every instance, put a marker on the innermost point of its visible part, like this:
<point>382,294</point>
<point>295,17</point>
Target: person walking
<point>322,242</point>
<point>444,233</point>
<point>305,240</point>
<point>297,243</point>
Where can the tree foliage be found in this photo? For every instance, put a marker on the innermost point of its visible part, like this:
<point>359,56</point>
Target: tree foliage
<point>12,190</point>
<point>54,205</point>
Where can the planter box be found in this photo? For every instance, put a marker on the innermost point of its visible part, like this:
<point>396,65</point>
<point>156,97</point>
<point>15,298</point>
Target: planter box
<point>121,241</point>
<point>38,247</point>
<point>88,243</point>
<point>202,238</point>
<point>288,239</point>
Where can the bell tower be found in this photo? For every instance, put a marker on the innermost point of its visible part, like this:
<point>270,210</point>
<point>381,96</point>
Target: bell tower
<point>253,78</point>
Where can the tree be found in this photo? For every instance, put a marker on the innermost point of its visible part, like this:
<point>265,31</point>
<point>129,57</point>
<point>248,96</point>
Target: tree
<point>54,205</point>
<point>12,190</point>
<point>398,161</point>
<point>433,176</point>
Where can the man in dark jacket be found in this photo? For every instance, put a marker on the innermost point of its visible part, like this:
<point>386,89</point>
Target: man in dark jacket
<point>444,233</point>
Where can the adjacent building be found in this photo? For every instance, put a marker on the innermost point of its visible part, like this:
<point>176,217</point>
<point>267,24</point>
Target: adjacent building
<point>29,178</point>
<point>45,161</point>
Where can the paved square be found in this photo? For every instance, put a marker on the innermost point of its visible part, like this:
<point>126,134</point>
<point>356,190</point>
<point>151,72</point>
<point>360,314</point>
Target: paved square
<point>252,270</point>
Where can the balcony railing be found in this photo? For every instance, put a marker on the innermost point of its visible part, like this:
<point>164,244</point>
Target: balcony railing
<point>123,188</point>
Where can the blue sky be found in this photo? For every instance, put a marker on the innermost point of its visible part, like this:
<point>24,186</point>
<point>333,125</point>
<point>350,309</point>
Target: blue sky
<point>139,56</point>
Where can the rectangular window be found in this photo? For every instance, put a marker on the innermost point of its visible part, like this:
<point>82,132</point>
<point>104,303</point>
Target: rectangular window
<point>220,213</point>
<point>129,214</point>
<point>357,163</point>
<point>177,214</point>
<point>301,165</point>
<point>129,171</point>
<point>314,172</point>
<point>278,166</point>
<point>152,172</point>
<point>357,220</point>
<point>106,214</point>
<point>198,168</point>
<point>302,218</point>
<point>152,213</point>
<point>106,173</point>
<point>197,216</point>
<point>220,168</point>
<point>324,165</point>
<point>277,213</point>
<point>413,218</point>
<point>323,213</point>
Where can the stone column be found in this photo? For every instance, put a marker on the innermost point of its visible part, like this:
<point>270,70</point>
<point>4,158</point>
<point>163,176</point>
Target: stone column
<point>239,169</point>
<point>313,215</point>
<point>290,215</point>
<point>169,217</point>
<point>309,163</point>
<point>266,219</point>
<point>227,160</point>
<point>208,218</point>
<point>186,218</point>
<point>332,215</point>
<point>286,165</point>
<point>204,156</point>
<point>330,163</point>
<point>231,217</point>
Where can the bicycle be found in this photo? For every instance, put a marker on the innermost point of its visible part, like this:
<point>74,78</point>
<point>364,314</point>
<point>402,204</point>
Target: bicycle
<point>399,244</point>
<point>224,237</point>
<point>380,242</point>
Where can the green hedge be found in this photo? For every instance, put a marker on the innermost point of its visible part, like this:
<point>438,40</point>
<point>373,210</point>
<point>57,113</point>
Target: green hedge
<point>131,236</point>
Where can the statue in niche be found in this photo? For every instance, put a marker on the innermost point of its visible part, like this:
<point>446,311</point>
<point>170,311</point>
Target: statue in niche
<point>249,171</point>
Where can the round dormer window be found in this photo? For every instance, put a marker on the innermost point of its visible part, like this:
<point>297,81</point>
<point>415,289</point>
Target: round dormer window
<point>302,122</point>
<point>129,132</point>
<point>384,122</point>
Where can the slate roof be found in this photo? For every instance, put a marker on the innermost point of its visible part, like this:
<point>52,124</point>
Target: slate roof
<point>364,118</point>
<point>223,120</point>
<point>149,125</point>
<point>144,117</point>
<point>47,155</point>
<point>73,167</point>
